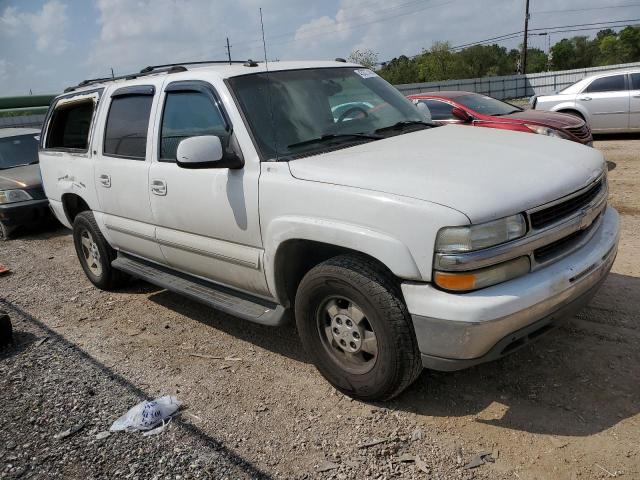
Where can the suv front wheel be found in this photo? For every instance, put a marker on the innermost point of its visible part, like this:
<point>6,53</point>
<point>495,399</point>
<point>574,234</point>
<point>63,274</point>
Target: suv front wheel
<point>95,253</point>
<point>355,325</point>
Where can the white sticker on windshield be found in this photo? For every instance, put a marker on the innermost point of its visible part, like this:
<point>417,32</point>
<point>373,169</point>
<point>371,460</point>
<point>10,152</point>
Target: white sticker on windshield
<point>365,73</point>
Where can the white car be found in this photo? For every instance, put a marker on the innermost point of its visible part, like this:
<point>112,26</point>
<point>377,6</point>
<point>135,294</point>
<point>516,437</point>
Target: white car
<point>395,243</point>
<point>609,102</point>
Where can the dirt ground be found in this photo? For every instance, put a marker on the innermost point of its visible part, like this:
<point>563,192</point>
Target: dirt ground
<point>567,407</point>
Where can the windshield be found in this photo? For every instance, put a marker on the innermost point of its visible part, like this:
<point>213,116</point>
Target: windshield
<point>296,112</point>
<point>487,105</point>
<point>18,150</point>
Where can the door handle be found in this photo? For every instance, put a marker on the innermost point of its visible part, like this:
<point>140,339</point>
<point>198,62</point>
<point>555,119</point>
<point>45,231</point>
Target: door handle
<point>586,99</point>
<point>159,187</point>
<point>637,95</point>
<point>105,180</point>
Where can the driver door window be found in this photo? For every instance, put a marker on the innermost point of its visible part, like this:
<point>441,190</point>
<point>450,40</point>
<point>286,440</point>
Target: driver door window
<point>440,111</point>
<point>188,114</point>
<point>607,101</point>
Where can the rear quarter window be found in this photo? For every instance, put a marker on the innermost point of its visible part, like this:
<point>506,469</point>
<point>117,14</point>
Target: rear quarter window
<point>70,125</point>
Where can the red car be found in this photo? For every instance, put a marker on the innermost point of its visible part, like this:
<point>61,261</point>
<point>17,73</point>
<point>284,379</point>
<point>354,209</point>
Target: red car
<point>482,111</point>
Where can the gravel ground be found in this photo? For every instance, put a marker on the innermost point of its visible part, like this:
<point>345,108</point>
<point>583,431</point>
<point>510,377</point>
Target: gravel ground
<point>52,387</point>
<point>566,407</point>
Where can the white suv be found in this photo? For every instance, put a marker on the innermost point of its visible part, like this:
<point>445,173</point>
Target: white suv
<point>316,188</point>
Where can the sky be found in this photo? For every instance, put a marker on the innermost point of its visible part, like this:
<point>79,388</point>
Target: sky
<point>46,45</point>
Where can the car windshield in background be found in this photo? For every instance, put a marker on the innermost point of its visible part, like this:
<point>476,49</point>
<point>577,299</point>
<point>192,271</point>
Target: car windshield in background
<point>487,105</point>
<point>18,150</point>
<point>296,112</point>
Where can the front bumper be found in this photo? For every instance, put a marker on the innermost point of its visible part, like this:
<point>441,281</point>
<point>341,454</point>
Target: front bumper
<point>456,331</point>
<point>24,213</point>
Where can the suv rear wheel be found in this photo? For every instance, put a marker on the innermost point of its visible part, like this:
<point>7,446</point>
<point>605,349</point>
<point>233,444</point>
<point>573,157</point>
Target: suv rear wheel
<point>94,253</point>
<point>355,326</point>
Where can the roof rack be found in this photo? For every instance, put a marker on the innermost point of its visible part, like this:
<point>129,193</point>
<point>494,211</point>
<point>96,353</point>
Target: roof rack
<point>153,69</point>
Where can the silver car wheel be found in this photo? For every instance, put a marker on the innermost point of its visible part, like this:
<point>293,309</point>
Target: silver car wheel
<point>347,334</point>
<point>91,253</point>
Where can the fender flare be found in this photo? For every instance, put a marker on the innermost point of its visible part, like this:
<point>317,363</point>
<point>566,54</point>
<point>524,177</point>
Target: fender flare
<point>572,106</point>
<point>390,251</point>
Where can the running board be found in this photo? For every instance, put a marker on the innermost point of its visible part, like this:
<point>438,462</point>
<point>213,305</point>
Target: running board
<point>221,298</point>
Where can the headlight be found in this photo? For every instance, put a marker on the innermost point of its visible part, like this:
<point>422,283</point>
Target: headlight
<point>12,196</point>
<point>550,132</point>
<point>483,235</point>
<point>485,277</point>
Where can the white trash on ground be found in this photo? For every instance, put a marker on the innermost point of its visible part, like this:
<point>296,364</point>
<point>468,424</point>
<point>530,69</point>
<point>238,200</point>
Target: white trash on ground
<point>147,415</point>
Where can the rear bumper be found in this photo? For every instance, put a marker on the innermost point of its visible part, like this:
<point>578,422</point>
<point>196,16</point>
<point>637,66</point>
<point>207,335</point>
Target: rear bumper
<point>455,331</point>
<point>24,213</point>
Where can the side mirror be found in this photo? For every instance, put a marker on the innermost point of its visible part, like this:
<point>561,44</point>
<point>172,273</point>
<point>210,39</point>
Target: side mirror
<point>460,114</point>
<point>205,151</point>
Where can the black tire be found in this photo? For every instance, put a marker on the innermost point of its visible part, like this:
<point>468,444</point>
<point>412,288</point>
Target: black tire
<point>105,277</point>
<point>5,232</point>
<point>356,279</point>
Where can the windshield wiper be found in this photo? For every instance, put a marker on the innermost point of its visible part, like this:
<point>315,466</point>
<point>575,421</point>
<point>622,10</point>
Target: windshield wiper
<point>506,113</point>
<point>404,124</point>
<point>330,137</point>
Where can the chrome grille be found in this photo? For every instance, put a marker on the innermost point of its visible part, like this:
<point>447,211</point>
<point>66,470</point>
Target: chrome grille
<point>556,229</point>
<point>550,215</point>
<point>560,247</point>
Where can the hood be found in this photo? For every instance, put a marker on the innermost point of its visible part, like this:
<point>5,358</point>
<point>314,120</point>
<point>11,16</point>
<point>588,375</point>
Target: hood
<point>483,173</point>
<point>27,176</point>
<point>549,119</point>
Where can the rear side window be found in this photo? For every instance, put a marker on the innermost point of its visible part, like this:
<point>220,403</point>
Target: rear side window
<point>188,114</point>
<point>614,83</point>
<point>70,125</point>
<point>635,81</point>
<point>439,110</point>
<point>127,124</point>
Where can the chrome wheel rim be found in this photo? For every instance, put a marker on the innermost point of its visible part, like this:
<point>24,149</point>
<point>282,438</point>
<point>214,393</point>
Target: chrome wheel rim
<point>347,335</point>
<point>91,253</point>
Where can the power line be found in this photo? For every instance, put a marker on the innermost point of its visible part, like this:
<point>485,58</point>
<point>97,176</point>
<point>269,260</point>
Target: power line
<point>588,24</point>
<point>509,36</point>
<point>352,26</point>
<point>627,5</point>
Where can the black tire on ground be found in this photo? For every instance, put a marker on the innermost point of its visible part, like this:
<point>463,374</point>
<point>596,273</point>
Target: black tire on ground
<point>5,232</point>
<point>95,253</point>
<point>6,330</point>
<point>357,281</point>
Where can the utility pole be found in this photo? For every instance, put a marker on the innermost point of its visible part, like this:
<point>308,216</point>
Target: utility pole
<point>228,50</point>
<point>526,34</point>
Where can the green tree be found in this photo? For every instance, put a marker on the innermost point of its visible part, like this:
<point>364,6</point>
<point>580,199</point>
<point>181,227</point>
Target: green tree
<point>367,58</point>
<point>400,70</point>
<point>563,55</point>
<point>536,60</point>
<point>609,50</point>
<point>440,62</point>
<point>629,39</point>
<point>485,60</point>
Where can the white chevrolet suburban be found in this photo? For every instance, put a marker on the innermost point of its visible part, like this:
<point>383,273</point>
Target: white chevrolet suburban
<point>316,188</point>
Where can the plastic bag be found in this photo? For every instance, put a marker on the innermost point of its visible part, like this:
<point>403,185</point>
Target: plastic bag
<point>147,415</point>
